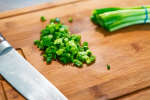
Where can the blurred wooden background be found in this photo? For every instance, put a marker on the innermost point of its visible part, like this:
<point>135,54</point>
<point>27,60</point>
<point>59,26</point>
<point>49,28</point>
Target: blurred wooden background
<point>6,5</point>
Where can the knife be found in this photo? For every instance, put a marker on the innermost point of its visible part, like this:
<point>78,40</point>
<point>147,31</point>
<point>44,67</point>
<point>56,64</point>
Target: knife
<point>24,77</point>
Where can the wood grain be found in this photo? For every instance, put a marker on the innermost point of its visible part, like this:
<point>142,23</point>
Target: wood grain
<point>127,51</point>
<point>11,93</point>
<point>2,97</point>
<point>1,78</point>
<point>139,95</point>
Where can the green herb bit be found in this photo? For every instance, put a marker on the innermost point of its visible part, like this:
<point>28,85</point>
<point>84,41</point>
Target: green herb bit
<point>108,67</point>
<point>36,42</point>
<point>70,19</point>
<point>48,60</point>
<point>59,52</point>
<point>85,43</point>
<point>43,19</point>
<point>77,63</point>
<point>57,20</point>
<point>52,20</point>
<point>89,53</point>
<point>92,58</point>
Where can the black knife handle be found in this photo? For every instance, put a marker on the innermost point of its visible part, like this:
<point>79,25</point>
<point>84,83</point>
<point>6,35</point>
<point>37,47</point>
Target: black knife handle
<point>1,38</point>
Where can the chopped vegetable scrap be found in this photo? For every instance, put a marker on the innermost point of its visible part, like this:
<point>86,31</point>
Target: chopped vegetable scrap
<point>70,19</point>
<point>58,43</point>
<point>108,67</point>
<point>43,19</point>
<point>116,18</point>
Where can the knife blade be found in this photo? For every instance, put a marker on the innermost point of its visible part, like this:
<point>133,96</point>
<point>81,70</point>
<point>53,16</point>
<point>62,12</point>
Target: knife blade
<point>24,77</point>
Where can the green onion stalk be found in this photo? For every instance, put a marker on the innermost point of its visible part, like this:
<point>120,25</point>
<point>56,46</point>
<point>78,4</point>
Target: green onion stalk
<point>113,19</point>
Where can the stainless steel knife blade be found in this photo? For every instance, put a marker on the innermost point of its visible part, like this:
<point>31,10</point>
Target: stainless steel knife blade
<point>24,77</point>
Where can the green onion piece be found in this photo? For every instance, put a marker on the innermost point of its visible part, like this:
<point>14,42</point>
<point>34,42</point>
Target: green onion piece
<point>57,20</point>
<point>78,63</point>
<point>43,19</point>
<point>37,42</point>
<point>70,19</point>
<point>52,21</point>
<point>108,67</point>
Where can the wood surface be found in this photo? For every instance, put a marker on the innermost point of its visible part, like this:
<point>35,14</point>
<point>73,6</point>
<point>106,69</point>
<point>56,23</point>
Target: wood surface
<point>143,94</point>
<point>11,93</point>
<point>127,50</point>
<point>2,96</point>
<point>1,78</point>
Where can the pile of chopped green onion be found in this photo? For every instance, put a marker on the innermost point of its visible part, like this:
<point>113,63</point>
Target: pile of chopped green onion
<point>58,43</point>
<point>116,18</point>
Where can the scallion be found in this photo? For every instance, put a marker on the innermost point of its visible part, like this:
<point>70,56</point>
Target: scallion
<point>116,18</point>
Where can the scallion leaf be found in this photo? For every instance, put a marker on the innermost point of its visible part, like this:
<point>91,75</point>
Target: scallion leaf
<point>116,18</point>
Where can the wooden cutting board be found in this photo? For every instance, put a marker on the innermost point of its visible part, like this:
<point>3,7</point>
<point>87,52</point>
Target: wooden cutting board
<point>127,50</point>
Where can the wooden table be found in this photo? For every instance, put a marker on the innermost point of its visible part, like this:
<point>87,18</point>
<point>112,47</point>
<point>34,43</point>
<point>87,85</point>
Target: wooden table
<point>6,5</point>
<point>126,50</point>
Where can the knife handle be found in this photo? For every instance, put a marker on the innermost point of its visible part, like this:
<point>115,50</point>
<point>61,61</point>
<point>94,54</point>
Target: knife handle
<point>5,47</point>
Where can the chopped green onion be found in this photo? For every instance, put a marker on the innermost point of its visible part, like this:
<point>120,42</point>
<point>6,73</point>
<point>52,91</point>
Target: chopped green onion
<point>52,21</point>
<point>108,67</point>
<point>57,20</point>
<point>36,42</point>
<point>57,42</point>
<point>70,19</point>
<point>78,63</point>
<point>43,19</point>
